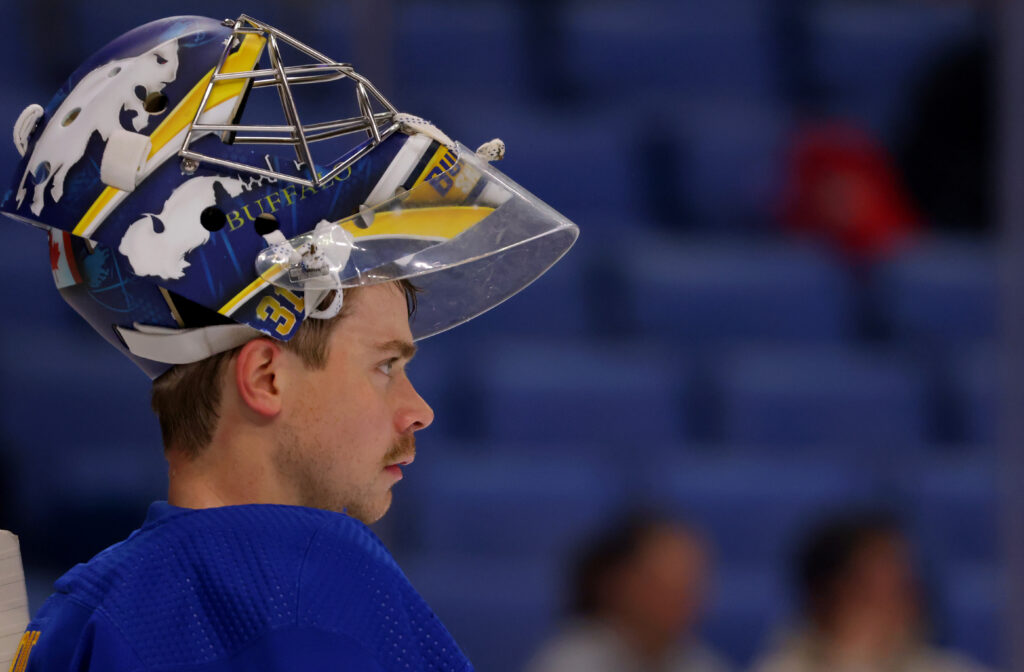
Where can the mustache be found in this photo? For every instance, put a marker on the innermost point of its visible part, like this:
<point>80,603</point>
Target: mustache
<point>403,448</point>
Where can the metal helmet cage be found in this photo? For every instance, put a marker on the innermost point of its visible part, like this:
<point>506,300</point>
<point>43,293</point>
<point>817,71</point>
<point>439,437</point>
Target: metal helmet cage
<point>378,125</point>
<point>163,203</point>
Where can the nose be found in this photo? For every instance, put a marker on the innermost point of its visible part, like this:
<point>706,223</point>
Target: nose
<point>415,413</point>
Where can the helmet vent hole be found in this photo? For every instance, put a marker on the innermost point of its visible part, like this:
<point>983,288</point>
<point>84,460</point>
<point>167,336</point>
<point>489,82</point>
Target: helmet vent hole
<point>41,172</point>
<point>140,92</point>
<point>213,218</point>
<point>71,116</point>
<point>155,102</point>
<point>265,224</point>
<point>115,71</point>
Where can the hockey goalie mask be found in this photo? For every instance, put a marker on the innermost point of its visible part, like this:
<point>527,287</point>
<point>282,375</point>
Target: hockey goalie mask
<point>184,219</point>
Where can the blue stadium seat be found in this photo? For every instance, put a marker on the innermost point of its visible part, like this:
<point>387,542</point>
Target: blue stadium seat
<point>693,48</point>
<point>733,158</point>
<point>838,396</point>
<point>706,293</point>
<point>744,610</point>
<point>555,306</point>
<point>73,377</point>
<point>498,610</point>
<point>86,447</point>
<point>869,56</point>
<point>435,374</point>
<point>953,509</point>
<point>96,493</point>
<point>18,43</point>
<point>973,613</point>
<point>582,165</point>
<point>504,504</point>
<point>588,164</point>
<point>577,392</point>
<point>941,292</point>
<point>133,473</point>
<point>975,395</point>
<point>754,509</point>
<point>443,48</point>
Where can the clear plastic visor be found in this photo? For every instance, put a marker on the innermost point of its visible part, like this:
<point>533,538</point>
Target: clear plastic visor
<point>467,237</point>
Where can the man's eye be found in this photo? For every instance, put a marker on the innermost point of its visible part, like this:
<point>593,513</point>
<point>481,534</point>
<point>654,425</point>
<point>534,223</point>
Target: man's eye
<point>387,367</point>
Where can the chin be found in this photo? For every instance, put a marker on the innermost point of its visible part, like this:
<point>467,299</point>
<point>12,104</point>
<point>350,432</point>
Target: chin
<point>370,513</point>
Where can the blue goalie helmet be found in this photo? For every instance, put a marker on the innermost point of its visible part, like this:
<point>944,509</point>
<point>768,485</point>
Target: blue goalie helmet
<point>186,215</point>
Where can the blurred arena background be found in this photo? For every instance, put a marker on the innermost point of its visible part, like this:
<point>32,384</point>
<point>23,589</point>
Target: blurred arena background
<point>733,340</point>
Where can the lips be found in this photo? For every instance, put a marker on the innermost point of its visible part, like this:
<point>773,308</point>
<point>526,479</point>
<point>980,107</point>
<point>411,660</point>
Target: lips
<point>395,468</point>
<point>402,453</point>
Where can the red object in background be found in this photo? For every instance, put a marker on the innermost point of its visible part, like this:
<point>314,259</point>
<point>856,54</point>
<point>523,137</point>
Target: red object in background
<point>842,186</point>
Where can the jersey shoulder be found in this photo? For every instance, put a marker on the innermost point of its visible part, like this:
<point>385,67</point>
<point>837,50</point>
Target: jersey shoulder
<point>197,589</point>
<point>348,565</point>
<point>197,586</point>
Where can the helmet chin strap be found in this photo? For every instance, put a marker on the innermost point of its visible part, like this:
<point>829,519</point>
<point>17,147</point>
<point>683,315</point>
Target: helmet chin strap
<point>314,298</point>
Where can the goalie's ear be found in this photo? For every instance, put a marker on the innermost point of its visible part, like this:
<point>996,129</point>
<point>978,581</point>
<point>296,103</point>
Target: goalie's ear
<point>14,607</point>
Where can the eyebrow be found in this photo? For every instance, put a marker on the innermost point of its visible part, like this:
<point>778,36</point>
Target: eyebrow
<point>404,348</point>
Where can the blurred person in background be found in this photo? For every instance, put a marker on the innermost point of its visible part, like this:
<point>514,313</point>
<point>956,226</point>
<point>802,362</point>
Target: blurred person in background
<point>862,608</point>
<point>842,187</point>
<point>639,590</point>
<point>947,148</point>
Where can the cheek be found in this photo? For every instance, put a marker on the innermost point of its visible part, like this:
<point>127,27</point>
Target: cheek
<point>332,410</point>
<point>351,413</point>
<point>368,415</point>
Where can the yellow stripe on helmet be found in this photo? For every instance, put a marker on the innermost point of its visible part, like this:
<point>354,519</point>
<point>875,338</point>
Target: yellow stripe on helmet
<point>242,60</point>
<point>440,223</point>
<point>184,113</point>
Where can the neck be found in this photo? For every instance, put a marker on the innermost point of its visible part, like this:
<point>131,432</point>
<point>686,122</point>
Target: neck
<point>648,645</point>
<point>867,636</point>
<point>189,487</point>
<point>229,471</point>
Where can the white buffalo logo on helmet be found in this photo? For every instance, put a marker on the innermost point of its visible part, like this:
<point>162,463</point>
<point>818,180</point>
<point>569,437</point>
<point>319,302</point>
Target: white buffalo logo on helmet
<point>156,244</point>
<point>94,106</point>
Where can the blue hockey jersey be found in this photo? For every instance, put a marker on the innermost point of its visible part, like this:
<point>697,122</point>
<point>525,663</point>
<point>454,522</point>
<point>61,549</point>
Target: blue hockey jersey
<point>254,587</point>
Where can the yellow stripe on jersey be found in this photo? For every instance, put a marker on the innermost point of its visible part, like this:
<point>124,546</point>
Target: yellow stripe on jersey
<point>28,640</point>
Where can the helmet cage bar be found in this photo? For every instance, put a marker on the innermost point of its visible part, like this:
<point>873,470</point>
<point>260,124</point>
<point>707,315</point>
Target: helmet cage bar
<point>377,125</point>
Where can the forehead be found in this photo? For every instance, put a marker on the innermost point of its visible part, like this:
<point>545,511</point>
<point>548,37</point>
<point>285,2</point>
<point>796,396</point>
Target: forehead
<point>376,314</point>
